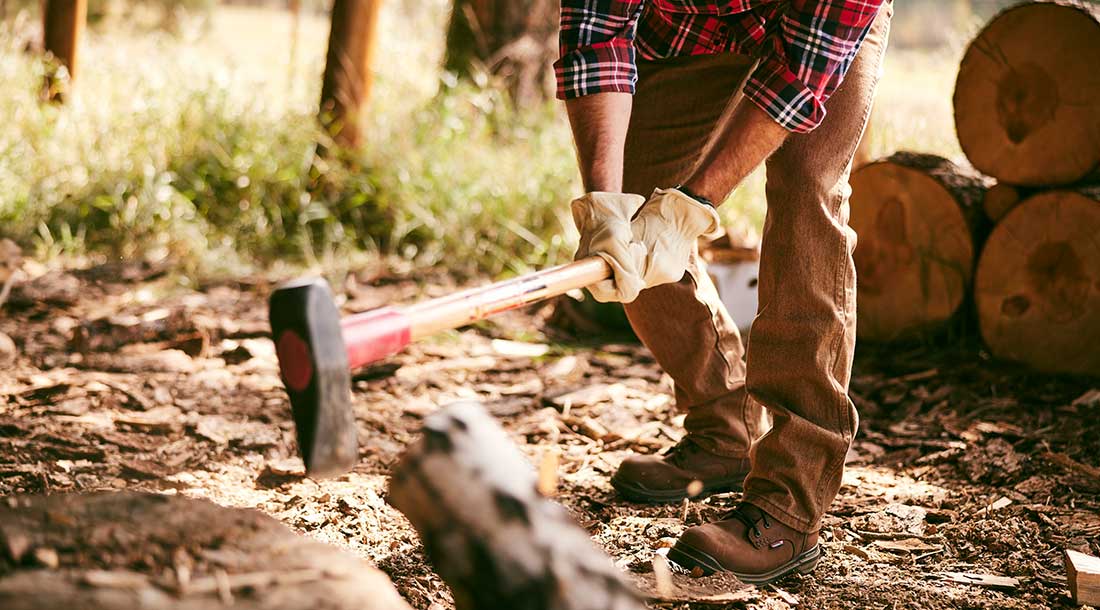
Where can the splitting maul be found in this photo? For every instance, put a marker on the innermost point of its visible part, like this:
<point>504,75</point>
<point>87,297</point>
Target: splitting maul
<point>317,350</point>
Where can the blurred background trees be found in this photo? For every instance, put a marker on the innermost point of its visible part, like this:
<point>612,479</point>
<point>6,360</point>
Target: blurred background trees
<point>193,133</point>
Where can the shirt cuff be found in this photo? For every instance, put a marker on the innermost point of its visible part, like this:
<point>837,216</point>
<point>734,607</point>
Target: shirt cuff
<point>779,92</point>
<point>599,68</point>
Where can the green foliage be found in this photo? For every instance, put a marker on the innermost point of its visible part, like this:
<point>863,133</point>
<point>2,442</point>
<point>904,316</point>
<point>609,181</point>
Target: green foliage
<point>165,160</point>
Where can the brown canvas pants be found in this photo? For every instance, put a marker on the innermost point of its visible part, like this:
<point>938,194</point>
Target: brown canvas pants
<point>800,356</point>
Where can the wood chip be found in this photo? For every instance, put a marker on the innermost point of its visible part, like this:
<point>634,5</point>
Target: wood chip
<point>906,545</point>
<point>992,581</point>
<point>999,504</point>
<point>548,472</point>
<point>519,348</point>
<point>46,557</point>
<point>115,579</point>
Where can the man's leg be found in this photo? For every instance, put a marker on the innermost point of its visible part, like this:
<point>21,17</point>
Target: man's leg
<point>676,107</point>
<point>800,357</point>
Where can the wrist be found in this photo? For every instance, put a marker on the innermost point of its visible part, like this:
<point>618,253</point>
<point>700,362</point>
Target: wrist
<point>683,188</point>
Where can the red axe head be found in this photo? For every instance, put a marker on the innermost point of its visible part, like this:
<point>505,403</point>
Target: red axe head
<point>317,352</point>
<point>313,361</point>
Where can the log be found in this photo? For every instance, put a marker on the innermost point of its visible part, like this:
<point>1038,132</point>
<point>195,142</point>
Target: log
<point>493,538</point>
<point>1083,578</point>
<point>1038,283</point>
<point>920,223</point>
<point>115,551</point>
<point>1027,103</point>
<point>1001,198</point>
<point>347,81</point>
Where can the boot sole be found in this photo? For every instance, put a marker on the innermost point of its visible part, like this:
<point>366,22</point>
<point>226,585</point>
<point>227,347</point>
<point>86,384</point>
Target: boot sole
<point>689,558</point>
<point>643,495</point>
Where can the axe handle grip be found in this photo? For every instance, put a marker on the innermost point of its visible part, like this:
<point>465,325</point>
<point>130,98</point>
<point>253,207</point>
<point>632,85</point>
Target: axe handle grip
<point>373,335</point>
<point>468,306</point>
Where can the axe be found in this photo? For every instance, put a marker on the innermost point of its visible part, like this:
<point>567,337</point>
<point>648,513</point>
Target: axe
<point>317,350</point>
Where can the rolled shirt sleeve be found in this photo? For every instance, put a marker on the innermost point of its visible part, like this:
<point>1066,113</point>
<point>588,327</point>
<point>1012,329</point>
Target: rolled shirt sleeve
<point>597,47</point>
<point>806,58</point>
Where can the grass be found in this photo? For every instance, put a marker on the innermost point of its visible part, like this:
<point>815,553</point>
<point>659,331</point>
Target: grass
<point>199,150</point>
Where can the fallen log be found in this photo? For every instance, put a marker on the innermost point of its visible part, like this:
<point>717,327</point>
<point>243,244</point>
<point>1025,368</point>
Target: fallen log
<point>493,538</point>
<point>1027,102</point>
<point>920,222</point>
<point>1038,283</point>
<point>115,551</point>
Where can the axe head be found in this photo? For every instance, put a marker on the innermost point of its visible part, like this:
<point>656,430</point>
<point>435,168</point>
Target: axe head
<point>313,363</point>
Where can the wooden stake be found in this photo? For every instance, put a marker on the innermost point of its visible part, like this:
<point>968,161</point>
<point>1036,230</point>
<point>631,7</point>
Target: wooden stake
<point>63,27</point>
<point>347,81</point>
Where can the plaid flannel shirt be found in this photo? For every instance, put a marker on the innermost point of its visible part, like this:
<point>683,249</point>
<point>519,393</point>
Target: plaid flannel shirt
<point>804,47</point>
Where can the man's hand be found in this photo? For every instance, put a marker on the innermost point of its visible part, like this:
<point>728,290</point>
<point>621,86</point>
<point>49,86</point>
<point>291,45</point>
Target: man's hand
<point>668,226</point>
<point>604,222</point>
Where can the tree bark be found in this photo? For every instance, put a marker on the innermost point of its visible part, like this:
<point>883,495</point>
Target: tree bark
<point>63,27</point>
<point>499,544</point>
<point>115,551</point>
<point>347,80</point>
<point>1038,283</point>
<point>920,223</point>
<point>1027,104</point>
<point>515,40</point>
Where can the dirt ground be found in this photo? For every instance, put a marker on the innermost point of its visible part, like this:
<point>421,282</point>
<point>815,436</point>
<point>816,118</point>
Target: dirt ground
<point>964,468</point>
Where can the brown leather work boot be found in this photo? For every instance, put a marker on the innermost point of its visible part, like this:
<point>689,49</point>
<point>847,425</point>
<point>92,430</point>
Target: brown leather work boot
<point>748,543</point>
<point>665,478</point>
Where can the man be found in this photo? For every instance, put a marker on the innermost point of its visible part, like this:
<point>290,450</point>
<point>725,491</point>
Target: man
<point>679,100</point>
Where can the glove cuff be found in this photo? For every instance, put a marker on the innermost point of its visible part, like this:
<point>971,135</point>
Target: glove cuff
<point>698,218</point>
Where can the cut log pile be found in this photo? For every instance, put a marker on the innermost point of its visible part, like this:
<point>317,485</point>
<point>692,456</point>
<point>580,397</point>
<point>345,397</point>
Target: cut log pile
<point>1018,248</point>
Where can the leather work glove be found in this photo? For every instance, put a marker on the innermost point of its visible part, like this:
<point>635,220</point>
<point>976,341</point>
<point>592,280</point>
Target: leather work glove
<point>669,225</point>
<point>604,222</point>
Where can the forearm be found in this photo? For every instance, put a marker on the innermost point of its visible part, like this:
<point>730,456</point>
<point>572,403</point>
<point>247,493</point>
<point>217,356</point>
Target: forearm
<point>600,122</point>
<point>748,138</point>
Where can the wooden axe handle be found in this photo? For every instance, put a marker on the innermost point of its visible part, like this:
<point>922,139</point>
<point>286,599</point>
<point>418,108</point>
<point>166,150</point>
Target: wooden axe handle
<point>375,334</point>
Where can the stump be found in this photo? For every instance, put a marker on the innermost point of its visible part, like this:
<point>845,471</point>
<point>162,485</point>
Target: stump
<point>488,532</point>
<point>919,221</point>
<point>1038,283</point>
<point>1027,99</point>
<point>128,550</point>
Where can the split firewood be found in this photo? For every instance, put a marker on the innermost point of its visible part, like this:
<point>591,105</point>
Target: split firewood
<point>1083,578</point>
<point>1027,104</point>
<point>1038,283</point>
<point>488,532</point>
<point>102,539</point>
<point>920,224</point>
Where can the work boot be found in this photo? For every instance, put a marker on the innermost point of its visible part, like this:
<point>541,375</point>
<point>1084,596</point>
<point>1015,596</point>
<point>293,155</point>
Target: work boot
<point>748,543</point>
<point>654,479</point>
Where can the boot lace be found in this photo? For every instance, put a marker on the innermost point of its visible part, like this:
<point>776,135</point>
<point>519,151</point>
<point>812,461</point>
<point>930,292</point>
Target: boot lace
<point>752,524</point>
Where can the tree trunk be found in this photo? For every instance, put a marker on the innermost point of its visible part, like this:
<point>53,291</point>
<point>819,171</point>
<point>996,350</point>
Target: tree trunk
<point>1027,102</point>
<point>1038,283</point>
<point>114,551</point>
<point>515,40</point>
<point>499,544</point>
<point>920,224</point>
<point>63,27</point>
<point>348,78</point>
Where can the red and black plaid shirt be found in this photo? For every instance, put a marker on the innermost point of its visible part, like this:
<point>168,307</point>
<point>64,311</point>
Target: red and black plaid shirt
<point>805,47</point>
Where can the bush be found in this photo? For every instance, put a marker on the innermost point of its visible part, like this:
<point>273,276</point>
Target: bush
<point>163,157</point>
